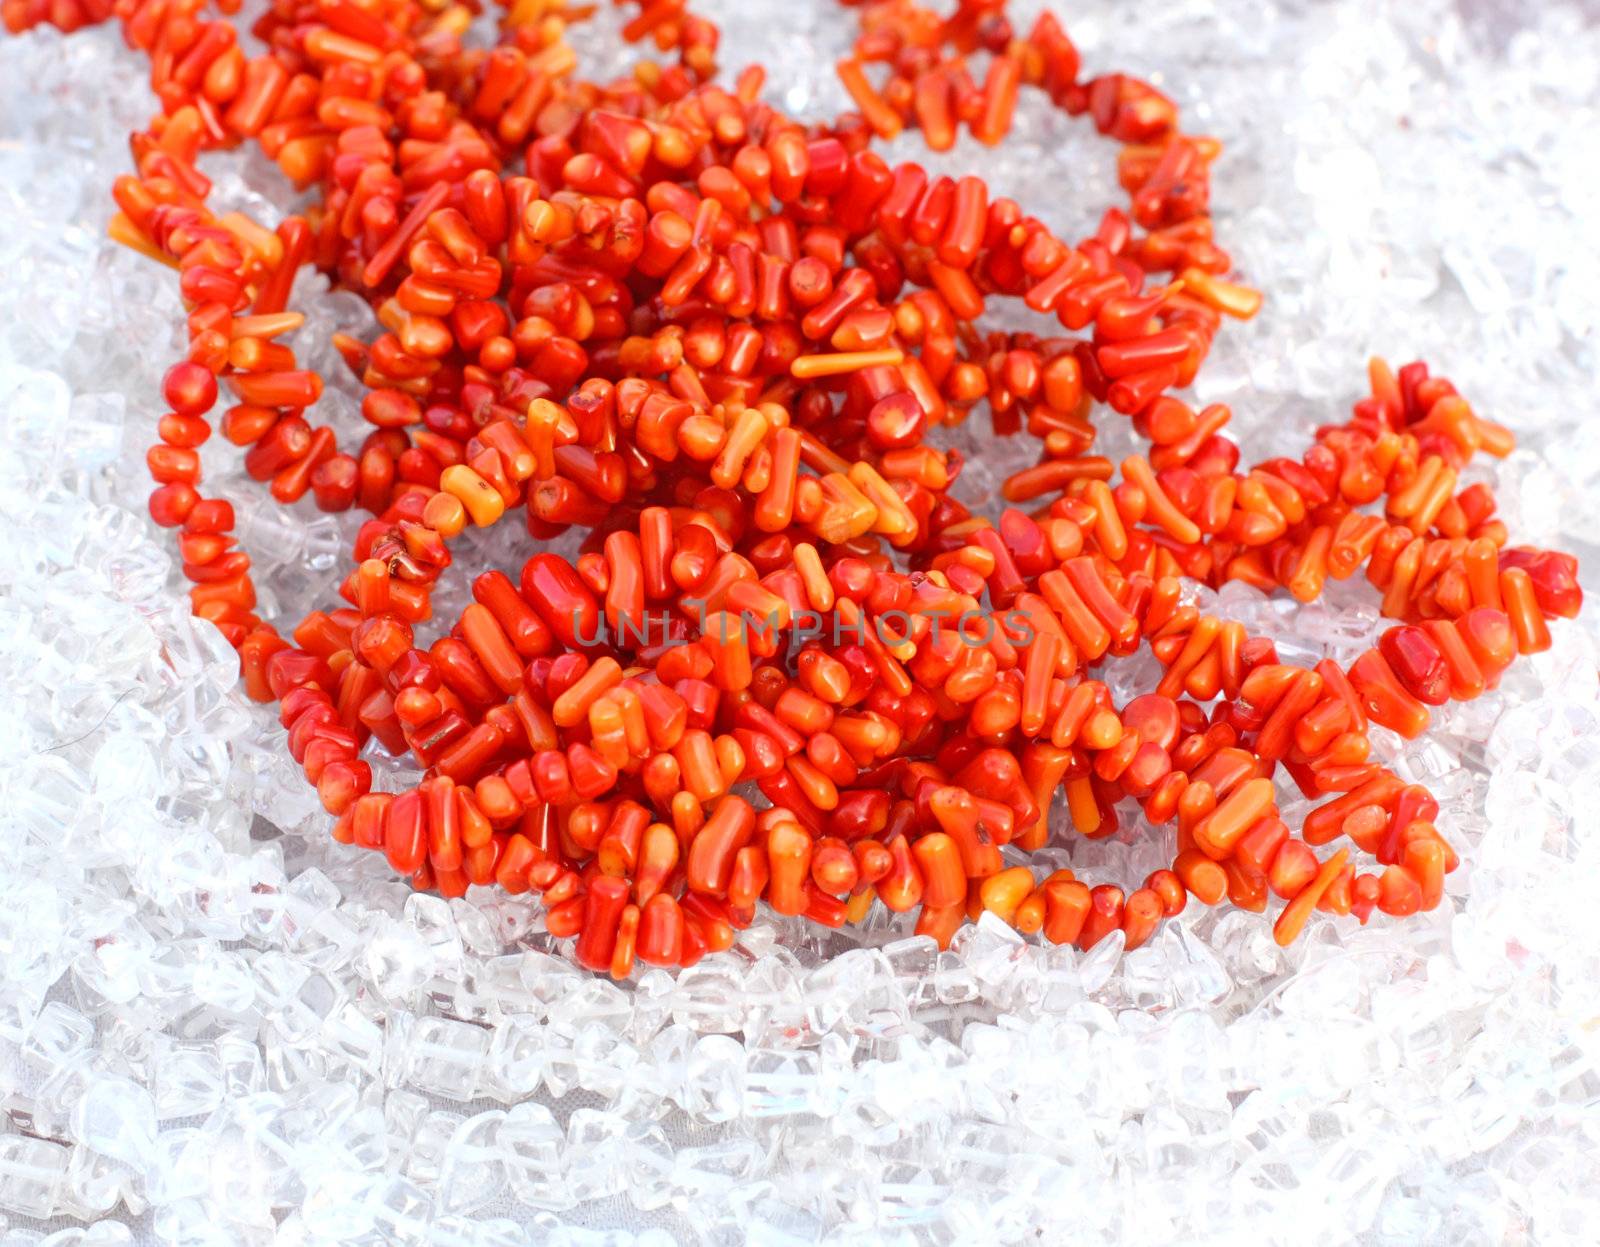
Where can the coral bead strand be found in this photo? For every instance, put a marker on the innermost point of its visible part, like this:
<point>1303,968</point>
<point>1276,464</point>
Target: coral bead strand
<point>715,340</point>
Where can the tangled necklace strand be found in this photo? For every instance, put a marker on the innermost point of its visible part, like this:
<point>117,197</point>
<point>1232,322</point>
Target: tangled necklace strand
<point>714,340</point>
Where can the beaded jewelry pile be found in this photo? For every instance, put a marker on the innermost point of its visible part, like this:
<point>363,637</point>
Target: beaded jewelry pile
<point>722,344</point>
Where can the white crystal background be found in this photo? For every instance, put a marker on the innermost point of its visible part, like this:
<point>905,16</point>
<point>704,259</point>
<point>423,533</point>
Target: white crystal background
<point>218,1027</point>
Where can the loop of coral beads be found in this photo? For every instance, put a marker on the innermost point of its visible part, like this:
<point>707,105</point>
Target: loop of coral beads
<point>660,311</point>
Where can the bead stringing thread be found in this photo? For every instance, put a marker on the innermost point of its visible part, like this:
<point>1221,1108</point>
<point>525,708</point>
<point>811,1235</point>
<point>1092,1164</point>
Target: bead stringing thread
<point>662,312</point>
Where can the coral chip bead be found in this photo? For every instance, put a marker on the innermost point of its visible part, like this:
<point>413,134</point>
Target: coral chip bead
<point>1154,717</point>
<point>189,388</point>
<point>1416,660</point>
<point>171,505</point>
<point>554,589</point>
<point>896,421</point>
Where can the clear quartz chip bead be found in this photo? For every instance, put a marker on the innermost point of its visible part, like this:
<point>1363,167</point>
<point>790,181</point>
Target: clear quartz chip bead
<point>180,1167</point>
<point>95,1183</point>
<point>473,1175</point>
<point>117,1118</point>
<point>515,1062</point>
<point>32,1172</point>
<point>532,1144</point>
<point>445,1057</point>
<point>402,1213</point>
<point>59,1033</point>
<point>647,1166</point>
<point>355,1038</point>
<point>711,1171</point>
<point>398,960</point>
<point>433,920</point>
<point>403,1114</point>
<point>781,1083</point>
<point>594,1153</point>
<point>337,1208</point>
<point>713,1080</point>
<point>188,1082</point>
<point>425,1160</point>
